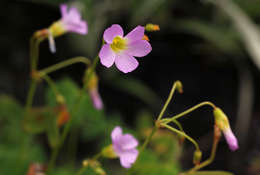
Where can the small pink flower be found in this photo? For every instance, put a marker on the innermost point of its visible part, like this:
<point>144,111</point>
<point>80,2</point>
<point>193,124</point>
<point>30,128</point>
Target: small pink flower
<point>122,50</point>
<point>231,139</point>
<point>71,20</point>
<point>124,146</point>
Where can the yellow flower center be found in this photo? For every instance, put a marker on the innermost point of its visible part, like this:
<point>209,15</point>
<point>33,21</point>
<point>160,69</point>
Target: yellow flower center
<point>118,44</point>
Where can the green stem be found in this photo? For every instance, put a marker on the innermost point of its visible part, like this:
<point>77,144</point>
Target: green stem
<point>51,84</point>
<point>182,134</point>
<point>206,162</point>
<point>178,124</point>
<point>30,96</point>
<point>148,139</point>
<point>188,111</point>
<point>167,101</point>
<point>68,125</point>
<point>64,64</point>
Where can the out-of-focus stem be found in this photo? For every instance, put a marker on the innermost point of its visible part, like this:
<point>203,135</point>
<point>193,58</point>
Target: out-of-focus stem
<point>188,111</point>
<point>182,134</point>
<point>64,64</point>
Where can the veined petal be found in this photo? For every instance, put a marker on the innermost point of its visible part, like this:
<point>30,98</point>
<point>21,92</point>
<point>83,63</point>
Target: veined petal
<point>126,63</point>
<point>128,158</point>
<point>116,133</point>
<point>128,142</point>
<point>136,34</point>
<point>139,48</point>
<point>63,10</point>
<point>111,32</point>
<point>107,56</point>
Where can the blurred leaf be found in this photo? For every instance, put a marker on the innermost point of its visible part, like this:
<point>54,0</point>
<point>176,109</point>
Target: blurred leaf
<point>212,33</point>
<point>52,130</point>
<point>248,31</point>
<point>212,173</point>
<point>145,9</point>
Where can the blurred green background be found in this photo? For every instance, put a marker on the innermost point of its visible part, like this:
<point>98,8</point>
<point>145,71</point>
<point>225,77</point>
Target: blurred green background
<point>213,47</point>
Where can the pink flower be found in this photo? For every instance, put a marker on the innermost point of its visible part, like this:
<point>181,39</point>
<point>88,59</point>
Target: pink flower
<point>124,146</point>
<point>231,139</point>
<point>122,50</point>
<point>71,20</point>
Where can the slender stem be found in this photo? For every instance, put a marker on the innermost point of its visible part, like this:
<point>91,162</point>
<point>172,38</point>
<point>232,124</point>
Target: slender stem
<point>64,64</point>
<point>30,96</point>
<point>148,139</point>
<point>167,101</point>
<point>68,125</point>
<point>206,162</point>
<point>188,111</point>
<point>182,134</point>
<point>51,84</point>
<point>178,124</point>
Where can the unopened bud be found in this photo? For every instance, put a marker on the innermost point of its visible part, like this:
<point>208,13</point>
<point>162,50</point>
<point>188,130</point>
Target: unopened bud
<point>179,86</point>
<point>222,123</point>
<point>197,157</point>
<point>152,27</point>
<point>221,119</point>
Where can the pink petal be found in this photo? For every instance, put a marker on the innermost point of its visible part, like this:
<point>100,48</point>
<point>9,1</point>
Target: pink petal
<point>128,158</point>
<point>63,10</point>
<point>111,32</point>
<point>231,139</point>
<point>126,63</point>
<point>136,34</point>
<point>139,48</point>
<point>128,142</point>
<point>80,27</point>
<point>116,133</point>
<point>107,56</point>
<point>96,99</point>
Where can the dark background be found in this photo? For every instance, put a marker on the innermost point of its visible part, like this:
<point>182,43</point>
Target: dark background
<point>209,70</point>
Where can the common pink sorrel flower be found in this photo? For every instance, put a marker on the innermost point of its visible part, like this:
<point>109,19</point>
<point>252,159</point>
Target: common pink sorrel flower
<point>124,145</point>
<point>222,122</point>
<point>122,50</point>
<point>70,22</point>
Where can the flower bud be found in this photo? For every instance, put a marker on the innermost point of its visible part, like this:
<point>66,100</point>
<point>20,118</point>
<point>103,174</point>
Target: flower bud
<point>197,157</point>
<point>222,122</point>
<point>109,152</point>
<point>152,27</point>
<point>92,88</point>
<point>179,86</point>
